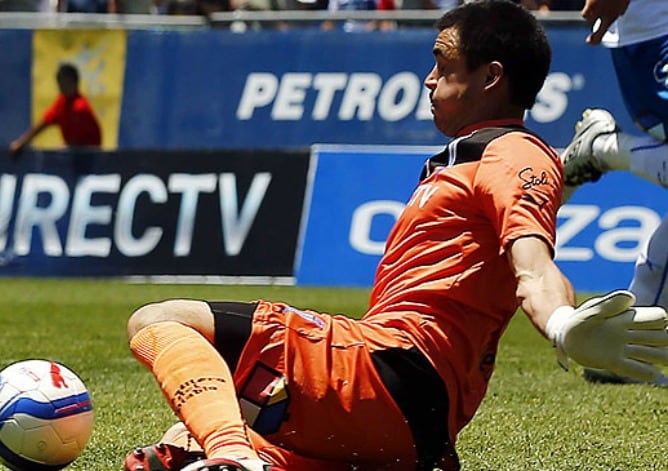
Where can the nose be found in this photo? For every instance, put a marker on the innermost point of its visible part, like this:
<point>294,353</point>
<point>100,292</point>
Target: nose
<point>431,79</point>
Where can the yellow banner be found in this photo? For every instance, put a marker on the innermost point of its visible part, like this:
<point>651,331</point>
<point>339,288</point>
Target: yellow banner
<point>100,57</point>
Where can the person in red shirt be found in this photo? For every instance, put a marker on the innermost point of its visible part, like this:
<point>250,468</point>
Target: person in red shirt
<point>266,386</point>
<point>71,111</point>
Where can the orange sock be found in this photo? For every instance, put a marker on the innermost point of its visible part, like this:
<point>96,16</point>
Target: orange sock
<point>198,385</point>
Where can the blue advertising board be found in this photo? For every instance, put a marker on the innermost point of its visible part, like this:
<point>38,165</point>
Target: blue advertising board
<point>227,90</point>
<point>216,89</point>
<point>181,213</point>
<point>357,194</point>
<point>603,227</point>
<point>355,198</point>
<point>15,79</point>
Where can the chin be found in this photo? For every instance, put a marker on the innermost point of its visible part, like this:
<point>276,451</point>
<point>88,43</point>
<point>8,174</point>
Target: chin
<point>446,131</point>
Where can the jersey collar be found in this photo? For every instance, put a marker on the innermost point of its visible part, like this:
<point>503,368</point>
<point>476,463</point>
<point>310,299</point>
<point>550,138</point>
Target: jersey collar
<point>493,123</point>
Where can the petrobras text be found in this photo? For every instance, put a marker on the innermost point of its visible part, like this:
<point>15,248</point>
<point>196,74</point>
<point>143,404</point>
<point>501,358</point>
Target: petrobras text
<point>364,96</point>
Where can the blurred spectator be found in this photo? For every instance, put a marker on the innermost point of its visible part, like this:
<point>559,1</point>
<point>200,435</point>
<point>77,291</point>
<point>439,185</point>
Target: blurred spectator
<point>143,7</point>
<point>254,5</point>
<point>196,7</point>
<point>275,5</point>
<point>27,5</point>
<point>442,5</point>
<point>361,5</point>
<point>565,5</point>
<point>301,4</point>
<point>83,6</point>
<point>206,7</point>
<point>538,5</point>
<point>552,5</point>
<point>181,7</point>
<point>70,111</point>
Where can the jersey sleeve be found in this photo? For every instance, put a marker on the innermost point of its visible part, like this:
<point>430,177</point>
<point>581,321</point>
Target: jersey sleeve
<point>519,184</point>
<point>50,115</point>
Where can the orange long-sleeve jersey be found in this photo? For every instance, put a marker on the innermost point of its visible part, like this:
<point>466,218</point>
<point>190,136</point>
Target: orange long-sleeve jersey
<point>445,280</point>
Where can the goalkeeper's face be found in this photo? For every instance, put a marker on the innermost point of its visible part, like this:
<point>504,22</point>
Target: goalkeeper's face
<point>460,97</point>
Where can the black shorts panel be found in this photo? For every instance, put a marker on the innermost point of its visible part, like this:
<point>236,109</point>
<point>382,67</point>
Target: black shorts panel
<point>233,322</point>
<point>421,395</point>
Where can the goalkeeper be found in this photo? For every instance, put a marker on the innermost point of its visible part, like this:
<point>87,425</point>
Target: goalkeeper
<point>265,386</point>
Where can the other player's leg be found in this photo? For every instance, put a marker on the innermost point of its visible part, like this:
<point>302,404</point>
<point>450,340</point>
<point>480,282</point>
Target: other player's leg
<point>650,280</point>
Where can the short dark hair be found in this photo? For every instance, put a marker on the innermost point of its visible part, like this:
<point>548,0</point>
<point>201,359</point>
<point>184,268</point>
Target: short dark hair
<point>503,31</point>
<point>69,71</point>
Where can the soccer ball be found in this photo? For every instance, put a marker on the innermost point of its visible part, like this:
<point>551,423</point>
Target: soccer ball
<point>46,416</point>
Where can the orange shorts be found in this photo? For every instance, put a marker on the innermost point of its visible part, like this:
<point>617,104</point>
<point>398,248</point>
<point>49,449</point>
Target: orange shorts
<point>308,387</point>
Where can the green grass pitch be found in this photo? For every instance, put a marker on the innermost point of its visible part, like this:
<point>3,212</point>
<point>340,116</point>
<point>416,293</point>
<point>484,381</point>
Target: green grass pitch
<point>535,416</point>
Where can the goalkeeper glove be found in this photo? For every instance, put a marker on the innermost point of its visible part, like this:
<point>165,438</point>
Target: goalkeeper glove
<point>610,333</point>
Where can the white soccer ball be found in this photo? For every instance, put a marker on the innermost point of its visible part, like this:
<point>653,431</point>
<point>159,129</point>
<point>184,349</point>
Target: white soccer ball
<point>46,416</point>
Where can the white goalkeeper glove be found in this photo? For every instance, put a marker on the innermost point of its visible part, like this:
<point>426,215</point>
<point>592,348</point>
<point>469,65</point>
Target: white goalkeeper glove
<point>610,333</point>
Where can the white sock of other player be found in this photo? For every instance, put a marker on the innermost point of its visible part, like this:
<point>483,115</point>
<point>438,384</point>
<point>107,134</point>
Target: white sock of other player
<point>643,156</point>
<point>649,160</point>
<point>650,279</point>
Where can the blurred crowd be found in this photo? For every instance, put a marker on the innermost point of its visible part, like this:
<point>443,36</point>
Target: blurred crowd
<point>147,7</point>
<point>206,7</point>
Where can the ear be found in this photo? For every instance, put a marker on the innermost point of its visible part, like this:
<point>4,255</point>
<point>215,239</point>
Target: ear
<point>494,73</point>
